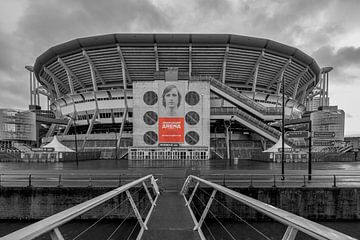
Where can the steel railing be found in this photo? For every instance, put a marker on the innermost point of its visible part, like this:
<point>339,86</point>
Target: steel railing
<point>68,179</point>
<point>51,224</point>
<point>293,222</point>
<point>286,180</point>
<point>247,117</point>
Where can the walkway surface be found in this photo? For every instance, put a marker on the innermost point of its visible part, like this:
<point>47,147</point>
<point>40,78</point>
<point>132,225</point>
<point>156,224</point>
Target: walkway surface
<point>170,220</point>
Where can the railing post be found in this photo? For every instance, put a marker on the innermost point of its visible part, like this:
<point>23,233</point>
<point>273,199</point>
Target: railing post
<point>198,226</point>
<point>0,179</point>
<point>192,194</point>
<point>334,181</point>
<point>55,234</point>
<point>29,181</point>
<point>137,214</point>
<point>154,184</point>
<point>224,180</point>
<point>251,181</point>
<point>59,185</point>
<point>290,233</point>
<point>148,193</point>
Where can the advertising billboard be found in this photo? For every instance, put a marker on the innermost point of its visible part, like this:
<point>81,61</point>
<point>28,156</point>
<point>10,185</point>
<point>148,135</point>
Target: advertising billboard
<point>171,112</point>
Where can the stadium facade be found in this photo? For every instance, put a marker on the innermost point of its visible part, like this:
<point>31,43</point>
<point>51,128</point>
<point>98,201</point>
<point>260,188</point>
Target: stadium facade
<point>175,96</point>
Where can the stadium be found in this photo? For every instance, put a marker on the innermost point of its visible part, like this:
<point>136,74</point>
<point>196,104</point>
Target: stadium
<point>176,96</point>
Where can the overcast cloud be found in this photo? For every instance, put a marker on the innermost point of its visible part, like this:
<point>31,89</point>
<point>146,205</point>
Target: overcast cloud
<point>325,29</point>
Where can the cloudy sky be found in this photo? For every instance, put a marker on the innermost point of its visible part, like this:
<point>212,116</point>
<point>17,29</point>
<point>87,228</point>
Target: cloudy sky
<point>328,30</point>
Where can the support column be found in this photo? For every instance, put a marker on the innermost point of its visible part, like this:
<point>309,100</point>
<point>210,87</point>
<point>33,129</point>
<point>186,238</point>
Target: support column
<point>31,88</point>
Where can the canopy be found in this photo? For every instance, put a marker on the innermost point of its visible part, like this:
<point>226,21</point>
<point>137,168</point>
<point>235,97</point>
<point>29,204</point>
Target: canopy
<point>58,146</point>
<point>276,146</point>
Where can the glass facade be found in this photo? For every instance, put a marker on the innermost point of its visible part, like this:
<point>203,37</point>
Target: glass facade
<point>16,125</point>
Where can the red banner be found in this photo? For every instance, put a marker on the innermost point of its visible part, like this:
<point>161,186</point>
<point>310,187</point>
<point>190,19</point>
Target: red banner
<point>171,130</point>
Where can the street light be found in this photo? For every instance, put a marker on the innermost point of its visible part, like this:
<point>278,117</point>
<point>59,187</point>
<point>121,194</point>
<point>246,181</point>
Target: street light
<point>116,148</point>
<point>215,138</point>
<point>283,130</point>
<point>227,130</point>
<point>309,160</point>
<point>76,148</point>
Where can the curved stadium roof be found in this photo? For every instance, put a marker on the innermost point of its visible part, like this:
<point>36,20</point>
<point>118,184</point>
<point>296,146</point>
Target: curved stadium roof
<point>232,59</point>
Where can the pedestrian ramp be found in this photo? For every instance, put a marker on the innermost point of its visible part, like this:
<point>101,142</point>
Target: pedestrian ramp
<point>170,220</point>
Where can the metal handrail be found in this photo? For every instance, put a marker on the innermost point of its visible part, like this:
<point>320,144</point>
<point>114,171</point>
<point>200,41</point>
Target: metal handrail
<point>245,99</point>
<point>279,180</point>
<point>56,180</point>
<point>243,115</point>
<point>295,223</point>
<point>52,223</point>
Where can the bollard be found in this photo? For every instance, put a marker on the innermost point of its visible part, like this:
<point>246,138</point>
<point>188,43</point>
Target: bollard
<point>90,183</point>
<point>304,181</point>
<point>29,180</point>
<point>59,185</point>
<point>334,181</point>
<point>119,179</point>
<point>274,185</point>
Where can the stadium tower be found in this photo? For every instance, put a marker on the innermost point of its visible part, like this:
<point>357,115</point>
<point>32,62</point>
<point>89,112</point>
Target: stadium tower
<point>174,96</point>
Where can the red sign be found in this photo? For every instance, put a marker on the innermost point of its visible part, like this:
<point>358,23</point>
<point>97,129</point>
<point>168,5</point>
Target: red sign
<point>171,130</point>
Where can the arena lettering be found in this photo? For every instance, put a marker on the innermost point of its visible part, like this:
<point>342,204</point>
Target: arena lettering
<point>171,125</point>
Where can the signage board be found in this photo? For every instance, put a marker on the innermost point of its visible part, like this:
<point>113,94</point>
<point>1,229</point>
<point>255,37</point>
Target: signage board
<point>171,130</point>
<point>323,143</point>
<point>287,150</point>
<point>324,134</point>
<point>297,134</point>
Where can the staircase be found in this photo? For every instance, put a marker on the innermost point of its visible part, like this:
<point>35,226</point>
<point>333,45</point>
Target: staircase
<point>242,101</point>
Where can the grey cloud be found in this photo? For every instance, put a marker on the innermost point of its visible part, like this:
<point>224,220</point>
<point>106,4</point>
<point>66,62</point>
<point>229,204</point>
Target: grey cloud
<point>341,60</point>
<point>211,8</point>
<point>50,22</point>
<point>6,56</point>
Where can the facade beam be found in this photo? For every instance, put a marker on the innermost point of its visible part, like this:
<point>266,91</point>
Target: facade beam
<point>157,66</point>
<point>123,63</point>
<point>223,71</point>
<point>278,88</point>
<point>56,82</point>
<point>296,80</point>
<point>304,88</point>
<point>70,74</point>
<point>190,60</point>
<point>94,71</point>
<point>253,73</point>
<point>278,76</point>
<point>50,88</point>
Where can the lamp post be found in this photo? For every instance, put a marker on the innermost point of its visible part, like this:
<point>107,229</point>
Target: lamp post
<point>116,148</point>
<point>215,139</point>
<point>283,131</point>
<point>310,159</point>
<point>228,127</point>
<point>76,148</point>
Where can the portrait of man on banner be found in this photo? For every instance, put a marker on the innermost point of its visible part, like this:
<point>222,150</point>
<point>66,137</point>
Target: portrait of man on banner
<point>171,101</point>
<point>171,113</point>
